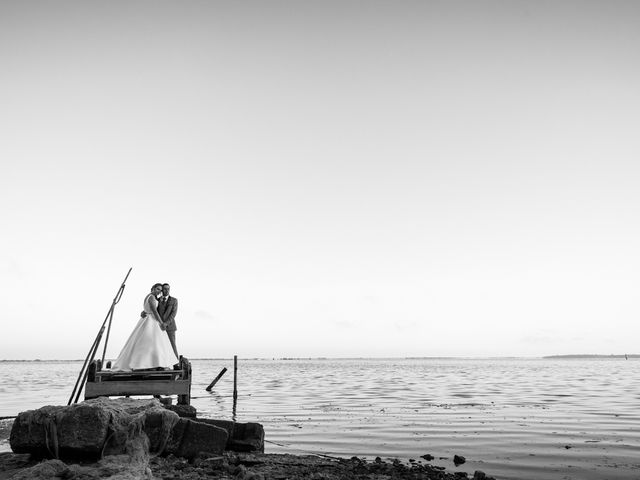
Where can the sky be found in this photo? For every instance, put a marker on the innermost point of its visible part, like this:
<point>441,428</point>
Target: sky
<point>322,178</point>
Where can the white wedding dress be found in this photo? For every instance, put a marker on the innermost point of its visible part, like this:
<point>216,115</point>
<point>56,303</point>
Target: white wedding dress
<point>148,345</point>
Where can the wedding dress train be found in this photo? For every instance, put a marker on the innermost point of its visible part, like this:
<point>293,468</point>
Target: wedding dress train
<point>148,345</point>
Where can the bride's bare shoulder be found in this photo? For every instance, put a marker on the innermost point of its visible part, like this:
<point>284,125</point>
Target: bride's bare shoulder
<point>150,298</point>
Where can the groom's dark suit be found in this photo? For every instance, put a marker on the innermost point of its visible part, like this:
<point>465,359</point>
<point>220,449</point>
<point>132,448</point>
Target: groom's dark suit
<point>167,310</point>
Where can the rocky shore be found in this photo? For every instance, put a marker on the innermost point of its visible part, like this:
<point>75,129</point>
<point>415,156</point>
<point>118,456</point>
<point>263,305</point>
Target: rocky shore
<point>127,439</point>
<point>228,466</point>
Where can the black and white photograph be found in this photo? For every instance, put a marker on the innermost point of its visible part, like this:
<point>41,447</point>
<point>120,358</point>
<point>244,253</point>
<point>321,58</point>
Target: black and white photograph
<point>270,240</point>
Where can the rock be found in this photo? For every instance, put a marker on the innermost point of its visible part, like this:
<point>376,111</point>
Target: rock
<point>44,470</point>
<point>243,437</point>
<point>175,437</point>
<point>479,475</point>
<point>119,435</point>
<point>11,463</point>
<point>458,460</point>
<point>189,439</point>
<point>428,457</point>
<point>158,424</point>
<point>31,431</point>
<point>77,430</point>
<point>120,467</point>
<point>105,426</point>
<point>185,411</point>
<point>232,466</point>
<point>240,471</point>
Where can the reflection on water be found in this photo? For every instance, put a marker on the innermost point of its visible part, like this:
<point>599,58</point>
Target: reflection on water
<point>512,418</point>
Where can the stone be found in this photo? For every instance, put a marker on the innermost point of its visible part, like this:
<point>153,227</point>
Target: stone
<point>31,431</point>
<point>479,475</point>
<point>75,430</point>
<point>458,460</point>
<point>243,437</point>
<point>200,437</point>
<point>83,428</point>
<point>93,428</point>
<point>185,411</point>
<point>158,424</point>
<point>175,437</point>
<point>130,428</point>
<point>44,470</point>
<point>120,467</point>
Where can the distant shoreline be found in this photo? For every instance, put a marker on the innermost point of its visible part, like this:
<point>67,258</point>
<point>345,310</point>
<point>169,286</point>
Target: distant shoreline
<point>630,355</point>
<point>508,357</point>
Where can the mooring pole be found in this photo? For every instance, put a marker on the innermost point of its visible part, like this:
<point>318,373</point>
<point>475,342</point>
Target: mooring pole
<point>235,385</point>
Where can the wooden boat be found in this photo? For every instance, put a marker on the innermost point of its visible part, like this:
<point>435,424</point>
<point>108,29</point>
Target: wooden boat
<point>107,383</point>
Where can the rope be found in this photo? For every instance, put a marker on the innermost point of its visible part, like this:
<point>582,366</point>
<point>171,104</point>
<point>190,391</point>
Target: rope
<point>51,433</point>
<point>311,452</point>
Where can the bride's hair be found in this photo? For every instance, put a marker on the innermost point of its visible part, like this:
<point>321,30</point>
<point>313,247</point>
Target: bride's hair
<point>156,285</point>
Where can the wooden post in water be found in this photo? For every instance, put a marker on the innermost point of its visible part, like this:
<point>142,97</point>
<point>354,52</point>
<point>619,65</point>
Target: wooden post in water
<point>235,385</point>
<point>215,380</point>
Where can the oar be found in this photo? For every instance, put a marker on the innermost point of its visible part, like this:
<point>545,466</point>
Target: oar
<point>86,372</point>
<point>84,365</point>
<point>94,347</point>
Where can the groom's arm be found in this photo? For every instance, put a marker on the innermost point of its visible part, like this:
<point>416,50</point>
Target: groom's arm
<point>172,314</point>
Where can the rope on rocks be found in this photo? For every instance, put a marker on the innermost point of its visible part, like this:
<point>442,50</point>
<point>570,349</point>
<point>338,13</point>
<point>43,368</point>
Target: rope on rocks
<point>167,427</point>
<point>311,452</point>
<point>111,431</point>
<point>51,435</point>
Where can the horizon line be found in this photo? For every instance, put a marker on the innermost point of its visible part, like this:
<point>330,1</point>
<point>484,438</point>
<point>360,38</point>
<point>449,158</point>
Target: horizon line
<point>436,357</point>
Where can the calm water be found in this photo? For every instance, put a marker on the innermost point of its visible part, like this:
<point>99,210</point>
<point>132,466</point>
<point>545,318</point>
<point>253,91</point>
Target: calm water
<point>512,418</point>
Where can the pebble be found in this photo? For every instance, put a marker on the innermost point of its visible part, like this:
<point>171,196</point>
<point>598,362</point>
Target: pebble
<point>458,460</point>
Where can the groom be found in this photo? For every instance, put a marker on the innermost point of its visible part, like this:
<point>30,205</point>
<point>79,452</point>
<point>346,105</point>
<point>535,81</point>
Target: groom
<point>167,308</point>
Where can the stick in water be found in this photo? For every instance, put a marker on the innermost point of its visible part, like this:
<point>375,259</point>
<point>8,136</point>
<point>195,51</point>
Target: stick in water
<point>215,380</point>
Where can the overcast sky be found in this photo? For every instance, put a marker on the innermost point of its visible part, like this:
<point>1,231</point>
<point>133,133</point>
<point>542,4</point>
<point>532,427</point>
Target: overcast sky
<point>328,178</point>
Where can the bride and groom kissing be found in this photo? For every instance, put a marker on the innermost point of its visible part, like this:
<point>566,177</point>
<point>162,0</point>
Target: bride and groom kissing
<point>152,344</point>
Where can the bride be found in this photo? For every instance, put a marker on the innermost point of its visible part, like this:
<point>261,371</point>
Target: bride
<point>148,345</point>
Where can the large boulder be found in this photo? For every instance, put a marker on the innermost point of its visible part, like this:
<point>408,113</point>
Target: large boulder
<point>92,429</point>
<point>102,426</point>
<point>76,430</point>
